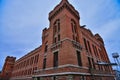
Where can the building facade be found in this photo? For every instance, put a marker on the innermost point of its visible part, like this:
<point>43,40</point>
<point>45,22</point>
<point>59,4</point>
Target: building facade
<point>7,68</point>
<point>69,51</point>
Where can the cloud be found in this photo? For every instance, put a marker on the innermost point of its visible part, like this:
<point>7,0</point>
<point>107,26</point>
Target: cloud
<point>109,29</point>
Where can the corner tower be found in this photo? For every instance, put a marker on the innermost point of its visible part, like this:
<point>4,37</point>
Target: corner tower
<point>8,68</point>
<point>64,19</point>
<point>71,51</point>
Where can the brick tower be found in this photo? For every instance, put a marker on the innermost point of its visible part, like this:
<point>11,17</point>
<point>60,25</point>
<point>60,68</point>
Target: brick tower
<point>69,51</point>
<point>8,68</point>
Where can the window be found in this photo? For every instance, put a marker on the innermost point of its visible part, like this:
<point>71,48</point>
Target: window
<point>55,60</point>
<point>54,77</point>
<point>95,51</point>
<point>27,62</point>
<point>56,31</point>
<point>31,60</point>
<point>46,48</point>
<point>56,28</point>
<point>37,58</point>
<point>6,74</point>
<point>55,40</point>
<point>89,62</point>
<point>73,37</point>
<point>11,67</point>
<point>77,39</point>
<point>73,25</point>
<point>93,63</point>
<point>85,43</point>
<point>89,46</point>
<point>59,37</point>
<point>79,58</point>
<point>74,30</point>
<point>59,26</point>
<point>44,63</point>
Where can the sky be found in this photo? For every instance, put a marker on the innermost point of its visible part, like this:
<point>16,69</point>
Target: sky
<point>22,21</point>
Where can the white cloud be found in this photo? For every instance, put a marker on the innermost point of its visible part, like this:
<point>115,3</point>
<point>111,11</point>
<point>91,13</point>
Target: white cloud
<point>109,29</point>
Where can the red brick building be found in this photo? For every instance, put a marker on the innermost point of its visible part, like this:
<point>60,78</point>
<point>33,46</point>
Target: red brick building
<point>7,68</point>
<point>69,51</point>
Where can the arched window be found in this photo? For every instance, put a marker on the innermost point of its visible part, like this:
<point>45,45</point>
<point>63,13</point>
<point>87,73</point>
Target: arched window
<point>56,31</point>
<point>74,30</point>
<point>73,25</point>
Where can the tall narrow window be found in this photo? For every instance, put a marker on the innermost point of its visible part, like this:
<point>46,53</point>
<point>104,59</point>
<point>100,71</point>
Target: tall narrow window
<point>77,39</point>
<point>73,25</point>
<point>89,62</point>
<point>37,58</point>
<point>55,40</point>
<point>32,59</point>
<point>59,37</point>
<point>59,26</point>
<point>93,63</point>
<point>79,58</point>
<point>85,43</point>
<point>46,48</point>
<point>44,63</point>
<point>89,46</point>
<point>94,50</point>
<point>56,31</point>
<point>73,37</point>
<point>55,60</point>
<point>54,77</point>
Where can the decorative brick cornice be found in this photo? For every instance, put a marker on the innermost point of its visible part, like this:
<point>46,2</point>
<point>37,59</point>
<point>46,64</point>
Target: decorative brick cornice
<point>63,4</point>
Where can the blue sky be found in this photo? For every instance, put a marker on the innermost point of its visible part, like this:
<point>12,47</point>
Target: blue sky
<point>22,21</point>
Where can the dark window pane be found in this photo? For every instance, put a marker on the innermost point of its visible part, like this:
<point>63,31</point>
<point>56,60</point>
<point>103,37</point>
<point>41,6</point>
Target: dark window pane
<point>55,64</point>
<point>85,43</point>
<point>46,48</point>
<point>59,37</point>
<point>89,62</point>
<point>44,63</point>
<point>79,58</point>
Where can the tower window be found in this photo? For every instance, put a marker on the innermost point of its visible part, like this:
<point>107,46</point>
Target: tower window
<point>46,48</point>
<point>56,26</point>
<point>73,25</point>
<point>55,60</point>
<point>56,30</point>
<point>59,27</point>
<point>44,63</point>
<point>79,58</point>
<point>59,37</point>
